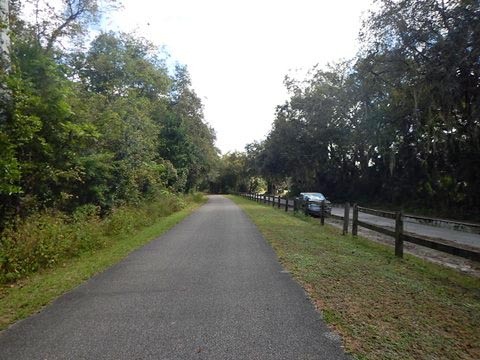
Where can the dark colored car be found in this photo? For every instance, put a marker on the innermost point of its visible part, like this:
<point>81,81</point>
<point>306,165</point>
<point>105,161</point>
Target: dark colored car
<point>311,202</point>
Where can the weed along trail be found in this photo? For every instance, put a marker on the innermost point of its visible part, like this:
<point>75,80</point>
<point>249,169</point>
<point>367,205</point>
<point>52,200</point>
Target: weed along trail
<point>210,288</point>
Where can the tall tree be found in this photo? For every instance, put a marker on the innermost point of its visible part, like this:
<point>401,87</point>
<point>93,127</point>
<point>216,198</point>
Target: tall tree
<point>68,19</point>
<point>89,127</point>
<point>398,123</point>
<point>4,34</point>
<point>185,132</point>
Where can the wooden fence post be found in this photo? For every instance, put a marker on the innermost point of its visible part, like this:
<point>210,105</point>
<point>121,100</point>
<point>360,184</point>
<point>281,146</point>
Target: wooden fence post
<point>273,201</point>
<point>346,218</point>
<point>286,204</point>
<point>295,205</point>
<point>355,220</point>
<point>278,202</point>
<point>398,234</point>
<point>322,213</point>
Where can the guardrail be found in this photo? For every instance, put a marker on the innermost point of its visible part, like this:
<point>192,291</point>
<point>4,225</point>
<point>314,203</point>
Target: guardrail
<point>397,232</point>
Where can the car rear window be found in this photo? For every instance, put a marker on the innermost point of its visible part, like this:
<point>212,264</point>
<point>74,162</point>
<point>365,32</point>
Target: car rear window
<point>315,197</point>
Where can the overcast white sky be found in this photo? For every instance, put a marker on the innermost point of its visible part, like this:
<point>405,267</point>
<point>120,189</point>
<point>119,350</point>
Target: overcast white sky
<point>238,52</point>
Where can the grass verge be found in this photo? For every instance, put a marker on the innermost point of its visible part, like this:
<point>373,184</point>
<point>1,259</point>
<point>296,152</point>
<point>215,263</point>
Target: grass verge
<point>30,294</point>
<point>384,307</point>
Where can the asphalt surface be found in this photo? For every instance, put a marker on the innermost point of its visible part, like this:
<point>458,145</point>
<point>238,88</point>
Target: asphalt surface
<point>459,237</point>
<point>210,288</point>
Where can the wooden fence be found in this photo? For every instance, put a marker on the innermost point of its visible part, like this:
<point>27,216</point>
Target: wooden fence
<point>398,233</point>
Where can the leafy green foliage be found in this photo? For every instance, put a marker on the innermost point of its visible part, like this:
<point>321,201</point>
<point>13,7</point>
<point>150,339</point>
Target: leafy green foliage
<point>231,174</point>
<point>45,239</point>
<point>185,139</point>
<point>108,126</point>
<point>399,123</point>
<point>94,144</point>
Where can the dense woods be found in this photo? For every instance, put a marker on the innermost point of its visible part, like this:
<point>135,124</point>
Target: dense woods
<point>103,122</point>
<point>399,123</point>
<point>99,136</point>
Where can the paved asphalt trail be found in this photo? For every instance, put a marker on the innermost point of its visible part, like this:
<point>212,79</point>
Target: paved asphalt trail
<point>210,288</point>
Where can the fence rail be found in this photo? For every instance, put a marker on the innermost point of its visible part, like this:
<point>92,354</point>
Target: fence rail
<point>397,232</point>
<point>382,213</point>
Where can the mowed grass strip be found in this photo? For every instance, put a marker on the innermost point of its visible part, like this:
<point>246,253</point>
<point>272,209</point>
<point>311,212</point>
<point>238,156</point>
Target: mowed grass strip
<point>384,307</point>
<point>30,294</point>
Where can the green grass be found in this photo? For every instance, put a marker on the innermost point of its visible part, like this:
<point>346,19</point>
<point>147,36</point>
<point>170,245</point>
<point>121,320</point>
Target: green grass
<point>28,295</point>
<point>384,307</point>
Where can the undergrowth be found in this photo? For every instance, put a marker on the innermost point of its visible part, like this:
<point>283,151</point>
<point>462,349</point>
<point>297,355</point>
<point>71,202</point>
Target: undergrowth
<point>46,239</point>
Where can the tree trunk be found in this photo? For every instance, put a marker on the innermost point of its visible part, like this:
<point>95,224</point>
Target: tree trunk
<point>5,65</point>
<point>4,35</point>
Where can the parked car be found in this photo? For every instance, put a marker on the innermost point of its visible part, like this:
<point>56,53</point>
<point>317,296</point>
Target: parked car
<point>311,203</point>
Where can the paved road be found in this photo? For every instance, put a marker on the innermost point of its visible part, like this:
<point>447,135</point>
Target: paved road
<point>210,288</point>
<point>420,229</point>
<point>415,227</point>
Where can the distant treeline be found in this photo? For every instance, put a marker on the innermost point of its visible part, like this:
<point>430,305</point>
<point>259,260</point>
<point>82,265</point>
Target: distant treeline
<point>107,124</point>
<point>399,123</point>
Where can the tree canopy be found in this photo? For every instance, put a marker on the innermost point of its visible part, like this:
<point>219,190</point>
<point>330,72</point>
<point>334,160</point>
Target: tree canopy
<point>399,123</point>
<point>105,125</point>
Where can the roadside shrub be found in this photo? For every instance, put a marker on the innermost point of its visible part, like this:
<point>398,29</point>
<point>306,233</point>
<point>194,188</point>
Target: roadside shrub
<point>46,239</point>
<point>197,197</point>
<point>36,243</point>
